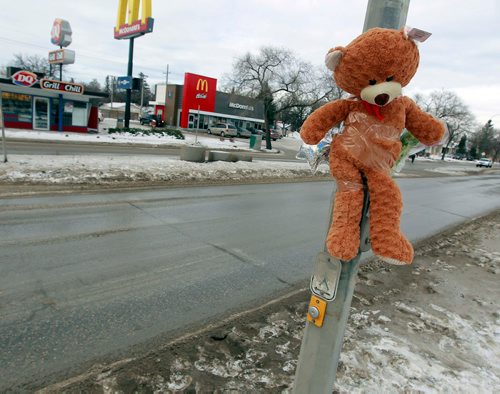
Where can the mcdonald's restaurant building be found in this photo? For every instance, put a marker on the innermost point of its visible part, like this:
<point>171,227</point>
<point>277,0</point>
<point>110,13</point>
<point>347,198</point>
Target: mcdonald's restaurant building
<point>199,95</point>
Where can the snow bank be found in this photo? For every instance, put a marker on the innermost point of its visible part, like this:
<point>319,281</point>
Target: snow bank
<point>114,169</point>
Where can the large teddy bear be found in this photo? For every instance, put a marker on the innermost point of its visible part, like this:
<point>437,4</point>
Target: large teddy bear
<point>373,68</point>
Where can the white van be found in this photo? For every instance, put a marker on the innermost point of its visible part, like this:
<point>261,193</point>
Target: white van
<point>223,130</point>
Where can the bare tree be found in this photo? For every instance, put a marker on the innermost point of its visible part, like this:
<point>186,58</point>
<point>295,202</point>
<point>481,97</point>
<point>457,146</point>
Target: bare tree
<point>92,86</point>
<point>279,78</point>
<point>34,63</point>
<point>447,106</point>
<point>321,89</point>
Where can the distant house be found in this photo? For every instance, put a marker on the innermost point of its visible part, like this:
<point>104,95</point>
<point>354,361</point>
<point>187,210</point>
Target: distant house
<point>117,111</point>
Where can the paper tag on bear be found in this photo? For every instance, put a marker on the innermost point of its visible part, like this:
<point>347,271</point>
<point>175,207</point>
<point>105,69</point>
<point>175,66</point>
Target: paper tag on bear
<point>417,34</point>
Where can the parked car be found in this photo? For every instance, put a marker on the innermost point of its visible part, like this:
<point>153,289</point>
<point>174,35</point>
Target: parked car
<point>274,135</point>
<point>147,119</point>
<point>484,162</point>
<point>223,130</point>
<point>242,132</point>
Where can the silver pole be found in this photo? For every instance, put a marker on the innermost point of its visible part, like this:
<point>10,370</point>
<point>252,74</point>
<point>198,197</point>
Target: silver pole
<point>321,345</point>
<point>4,144</point>
<point>197,127</point>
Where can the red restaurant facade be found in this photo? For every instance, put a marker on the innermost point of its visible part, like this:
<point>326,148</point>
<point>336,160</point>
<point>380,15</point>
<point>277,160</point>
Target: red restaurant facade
<point>199,96</point>
<point>30,101</point>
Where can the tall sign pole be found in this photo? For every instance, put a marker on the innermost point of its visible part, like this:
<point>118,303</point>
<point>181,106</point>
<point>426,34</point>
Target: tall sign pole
<point>4,146</point>
<point>128,96</point>
<point>333,281</point>
<point>61,36</point>
<point>129,26</point>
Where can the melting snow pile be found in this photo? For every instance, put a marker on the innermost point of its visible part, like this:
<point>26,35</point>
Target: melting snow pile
<point>116,169</point>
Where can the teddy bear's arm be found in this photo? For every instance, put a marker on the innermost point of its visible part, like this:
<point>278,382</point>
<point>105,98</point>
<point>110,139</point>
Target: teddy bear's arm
<point>423,126</point>
<point>322,120</point>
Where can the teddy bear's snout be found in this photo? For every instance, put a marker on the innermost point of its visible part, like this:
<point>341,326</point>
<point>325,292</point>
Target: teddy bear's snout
<point>382,99</point>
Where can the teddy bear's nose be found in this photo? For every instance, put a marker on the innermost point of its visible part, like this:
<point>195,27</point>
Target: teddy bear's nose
<point>382,99</point>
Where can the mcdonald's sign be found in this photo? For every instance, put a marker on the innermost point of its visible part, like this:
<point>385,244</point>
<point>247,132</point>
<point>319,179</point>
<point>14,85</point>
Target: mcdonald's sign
<point>128,22</point>
<point>202,85</point>
<point>199,92</point>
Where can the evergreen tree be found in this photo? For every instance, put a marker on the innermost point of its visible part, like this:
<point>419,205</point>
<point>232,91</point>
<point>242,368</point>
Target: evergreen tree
<point>461,149</point>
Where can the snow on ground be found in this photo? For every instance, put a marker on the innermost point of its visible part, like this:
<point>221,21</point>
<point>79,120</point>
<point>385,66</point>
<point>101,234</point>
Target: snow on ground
<point>127,138</point>
<point>93,169</point>
<point>104,170</point>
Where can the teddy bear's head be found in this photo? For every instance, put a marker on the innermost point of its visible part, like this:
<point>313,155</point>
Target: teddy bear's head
<point>376,65</point>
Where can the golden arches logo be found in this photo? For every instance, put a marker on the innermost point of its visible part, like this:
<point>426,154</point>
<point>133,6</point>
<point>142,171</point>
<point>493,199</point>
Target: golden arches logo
<point>128,12</point>
<point>202,84</point>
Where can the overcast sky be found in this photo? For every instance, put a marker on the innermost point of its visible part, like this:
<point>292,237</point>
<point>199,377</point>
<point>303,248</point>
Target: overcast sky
<point>205,37</point>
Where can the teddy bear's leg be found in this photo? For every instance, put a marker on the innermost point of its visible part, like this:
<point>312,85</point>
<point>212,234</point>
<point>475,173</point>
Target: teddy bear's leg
<point>343,236</point>
<point>386,206</point>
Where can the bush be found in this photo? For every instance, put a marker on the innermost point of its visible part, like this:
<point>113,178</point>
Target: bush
<point>158,131</point>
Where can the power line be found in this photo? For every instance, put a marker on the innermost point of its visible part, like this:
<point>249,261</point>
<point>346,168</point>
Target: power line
<point>97,56</point>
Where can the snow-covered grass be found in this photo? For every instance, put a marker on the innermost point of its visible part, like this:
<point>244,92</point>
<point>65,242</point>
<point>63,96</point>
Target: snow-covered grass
<point>114,169</point>
<point>127,138</point>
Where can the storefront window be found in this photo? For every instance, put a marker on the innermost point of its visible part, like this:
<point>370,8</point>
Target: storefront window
<point>75,113</point>
<point>16,107</point>
<point>80,117</point>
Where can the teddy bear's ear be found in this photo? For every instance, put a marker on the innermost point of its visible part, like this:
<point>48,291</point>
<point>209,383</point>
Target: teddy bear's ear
<point>333,57</point>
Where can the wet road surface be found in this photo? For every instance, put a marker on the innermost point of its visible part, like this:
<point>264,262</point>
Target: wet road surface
<point>85,277</point>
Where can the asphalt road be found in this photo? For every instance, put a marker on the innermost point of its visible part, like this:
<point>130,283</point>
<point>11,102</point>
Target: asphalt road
<point>86,277</point>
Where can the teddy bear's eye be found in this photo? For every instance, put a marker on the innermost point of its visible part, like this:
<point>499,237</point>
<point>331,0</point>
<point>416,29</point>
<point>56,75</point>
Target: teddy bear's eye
<point>389,79</point>
<point>372,82</point>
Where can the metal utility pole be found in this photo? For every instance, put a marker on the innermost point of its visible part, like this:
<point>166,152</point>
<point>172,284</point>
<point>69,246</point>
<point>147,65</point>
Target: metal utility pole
<point>4,145</point>
<point>166,97</point>
<point>129,74</point>
<point>333,281</point>
<point>112,90</point>
<point>390,14</point>
<point>142,90</point>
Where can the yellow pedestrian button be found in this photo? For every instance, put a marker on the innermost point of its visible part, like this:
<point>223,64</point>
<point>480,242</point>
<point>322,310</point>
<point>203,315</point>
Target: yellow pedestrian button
<point>316,311</point>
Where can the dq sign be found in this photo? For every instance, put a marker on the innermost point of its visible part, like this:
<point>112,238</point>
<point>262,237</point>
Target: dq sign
<point>24,78</point>
<point>199,92</point>
<point>60,34</point>
<point>128,23</point>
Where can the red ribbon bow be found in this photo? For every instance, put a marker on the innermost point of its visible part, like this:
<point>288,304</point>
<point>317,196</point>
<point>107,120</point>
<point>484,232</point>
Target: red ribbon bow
<point>373,110</point>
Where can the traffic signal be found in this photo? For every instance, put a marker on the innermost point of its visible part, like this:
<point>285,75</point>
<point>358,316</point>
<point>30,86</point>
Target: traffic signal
<point>136,83</point>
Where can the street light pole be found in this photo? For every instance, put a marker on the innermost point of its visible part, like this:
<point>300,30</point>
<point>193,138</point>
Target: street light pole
<point>333,281</point>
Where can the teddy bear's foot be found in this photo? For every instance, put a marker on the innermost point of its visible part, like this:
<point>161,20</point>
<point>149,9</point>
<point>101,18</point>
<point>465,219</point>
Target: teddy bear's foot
<point>391,261</point>
<point>398,253</point>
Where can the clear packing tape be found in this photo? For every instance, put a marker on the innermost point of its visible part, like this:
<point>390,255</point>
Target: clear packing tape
<point>370,142</point>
